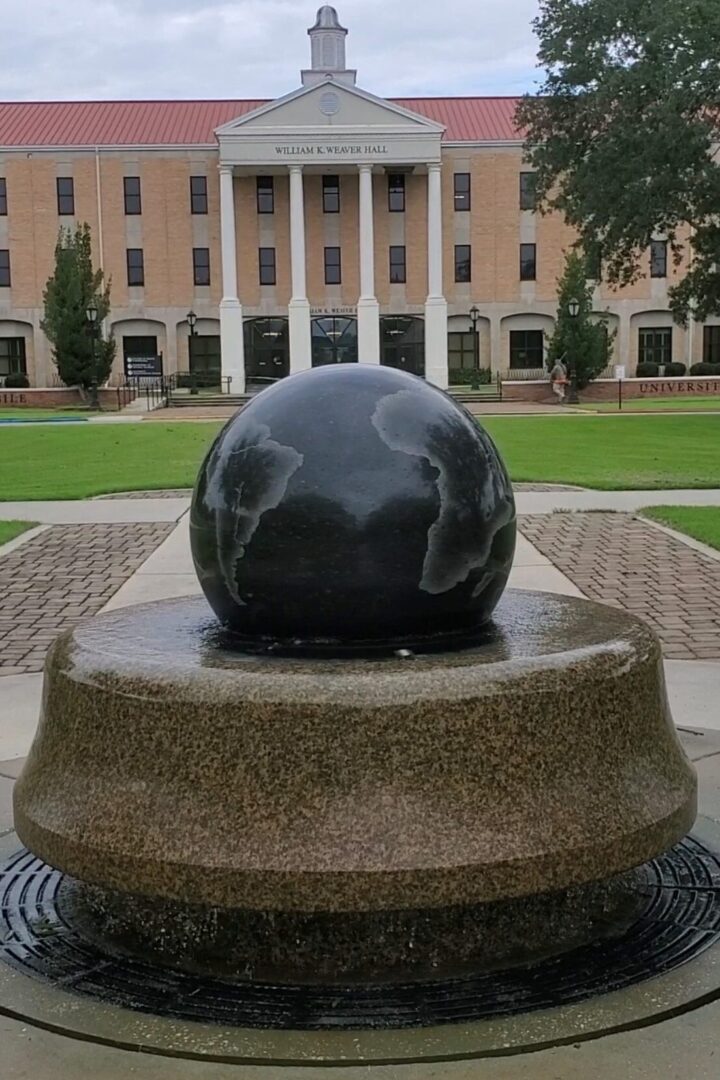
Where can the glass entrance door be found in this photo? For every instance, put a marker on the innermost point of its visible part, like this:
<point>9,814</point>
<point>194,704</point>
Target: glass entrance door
<point>402,343</point>
<point>267,353</point>
<point>204,357</point>
<point>334,341</point>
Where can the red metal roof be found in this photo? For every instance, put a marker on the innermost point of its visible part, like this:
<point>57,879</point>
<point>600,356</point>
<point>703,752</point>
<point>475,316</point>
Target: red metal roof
<point>192,123</point>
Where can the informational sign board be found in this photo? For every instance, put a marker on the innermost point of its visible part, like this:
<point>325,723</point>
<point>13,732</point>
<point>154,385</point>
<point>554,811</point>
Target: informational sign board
<point>144,367</point>
<point>620,371</point>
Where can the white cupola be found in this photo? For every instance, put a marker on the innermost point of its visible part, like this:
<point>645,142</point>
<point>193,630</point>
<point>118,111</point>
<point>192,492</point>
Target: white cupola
<point>327,41</point>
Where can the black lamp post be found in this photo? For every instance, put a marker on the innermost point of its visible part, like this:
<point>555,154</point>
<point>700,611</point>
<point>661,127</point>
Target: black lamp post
<point>192,321</point>
<point>474,319</point>
<point>573,311</point>
<point>91,314</point>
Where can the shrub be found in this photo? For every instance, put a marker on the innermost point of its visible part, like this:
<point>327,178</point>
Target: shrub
<point>675,369</point>
<point>468,377</point>
<point>200,380</point>
<point>705,369</point>
<point>17,382</point>
<point>647,370</point>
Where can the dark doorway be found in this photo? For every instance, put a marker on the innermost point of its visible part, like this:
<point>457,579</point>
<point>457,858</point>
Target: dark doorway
<point>267,354</point>
<point>402,343</point>
<point>204,356</point>
<point>334,341</point>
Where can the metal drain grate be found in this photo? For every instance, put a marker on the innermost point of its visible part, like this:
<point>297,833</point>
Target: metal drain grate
<point>680,920</point>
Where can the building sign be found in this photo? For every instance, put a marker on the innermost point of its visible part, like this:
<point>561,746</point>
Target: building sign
<point>144,367</point>
<point>13,399</point>
<point>333,150</point>
<point>680,386</point>
<point>333,312</point>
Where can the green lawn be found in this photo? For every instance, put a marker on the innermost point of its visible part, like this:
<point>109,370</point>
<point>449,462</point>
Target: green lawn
<point>595,451</point>
<point>611,452</point>
<point>10,529</point>
<point>42,414</point>
<point>74,462</point>
<point>711,403</point>
<point>700,522</point>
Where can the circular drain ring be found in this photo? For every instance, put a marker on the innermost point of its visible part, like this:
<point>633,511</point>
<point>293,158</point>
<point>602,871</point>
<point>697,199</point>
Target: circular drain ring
<point>219,1020</point>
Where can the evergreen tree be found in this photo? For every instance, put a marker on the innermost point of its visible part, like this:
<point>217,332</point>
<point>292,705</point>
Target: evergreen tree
<point>583,341</point>
<point>73,285</point>
<point>623,134</point>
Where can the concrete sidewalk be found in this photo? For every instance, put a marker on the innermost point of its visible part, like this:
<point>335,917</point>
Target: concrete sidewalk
<point>109,511</point>
<point>95,511</point>
<point>545,502</point>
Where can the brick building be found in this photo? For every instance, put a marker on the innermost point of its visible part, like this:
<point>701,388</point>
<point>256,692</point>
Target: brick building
<point>324,226</point>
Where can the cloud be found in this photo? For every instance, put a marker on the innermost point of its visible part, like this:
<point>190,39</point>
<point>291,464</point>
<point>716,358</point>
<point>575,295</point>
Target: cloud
<point>56,50</point>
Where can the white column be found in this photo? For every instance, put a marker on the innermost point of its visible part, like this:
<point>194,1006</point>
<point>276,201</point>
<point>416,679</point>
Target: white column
<point>368,307</point>
<point>299,308</point>
<point>232,344</point>
<point>436,349</point>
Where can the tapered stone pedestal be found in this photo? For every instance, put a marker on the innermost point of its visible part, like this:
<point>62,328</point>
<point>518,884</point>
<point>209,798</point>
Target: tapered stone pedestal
<point>168,765</point>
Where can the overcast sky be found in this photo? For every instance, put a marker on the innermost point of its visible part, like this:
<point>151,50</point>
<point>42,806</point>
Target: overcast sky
<point>75,49</point>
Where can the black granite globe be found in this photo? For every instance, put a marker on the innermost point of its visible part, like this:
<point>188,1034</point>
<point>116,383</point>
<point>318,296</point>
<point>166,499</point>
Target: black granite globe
<point>353,504</point>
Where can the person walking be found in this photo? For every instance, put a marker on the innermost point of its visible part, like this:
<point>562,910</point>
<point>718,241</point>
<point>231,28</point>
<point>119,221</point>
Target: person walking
<point>558,381</point>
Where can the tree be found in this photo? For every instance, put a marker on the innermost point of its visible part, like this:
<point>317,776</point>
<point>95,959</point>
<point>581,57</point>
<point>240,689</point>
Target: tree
<point>583,343</point>
<point>623,134</point>
<point>72,286</point>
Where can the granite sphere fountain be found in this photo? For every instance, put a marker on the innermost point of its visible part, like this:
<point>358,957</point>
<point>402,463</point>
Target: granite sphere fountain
<point>358,764</point>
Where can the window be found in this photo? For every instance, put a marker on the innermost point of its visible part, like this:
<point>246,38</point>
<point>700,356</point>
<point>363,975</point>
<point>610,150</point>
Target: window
<point>136,346</point>
<point>655,345</point>
<point>711,345</point>
<point>528,198</point>
<point>65,195</point>
<point>198,195</point>
<point>398,269</point>
<point>527,349</point>
<point>135,266</point>
<point>396,194</point>
<point>12,356</point>
<point>201,266</point>
<point>331,194</point>
<point>3,198</point>
<point>133,202</point>
<point>265,195</point>
<point>528,262</point>
<point>462,191</point>
<point>658,258</point>
<point>4,269</point>
<point>593,261</point>
<point>333,269</point>
<point>463,262</point>
<point>268,273</point>
<point>461,350</point>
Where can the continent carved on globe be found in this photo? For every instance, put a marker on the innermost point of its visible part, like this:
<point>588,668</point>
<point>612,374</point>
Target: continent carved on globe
<point>349,504</point>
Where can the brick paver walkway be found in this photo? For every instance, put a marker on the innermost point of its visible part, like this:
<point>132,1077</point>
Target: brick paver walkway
<point>621,560</point>
<point>67,572</point>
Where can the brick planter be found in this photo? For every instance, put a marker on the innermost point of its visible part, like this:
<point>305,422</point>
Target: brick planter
<point>607,389</point>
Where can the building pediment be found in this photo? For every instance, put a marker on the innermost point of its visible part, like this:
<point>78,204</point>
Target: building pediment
<point>329,121</point>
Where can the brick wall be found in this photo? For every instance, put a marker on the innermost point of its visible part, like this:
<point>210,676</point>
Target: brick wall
<point>64,397</point>
<point>607,389</point>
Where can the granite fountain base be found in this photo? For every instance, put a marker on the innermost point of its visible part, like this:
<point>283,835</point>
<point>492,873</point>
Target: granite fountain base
<point>315,817</point>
